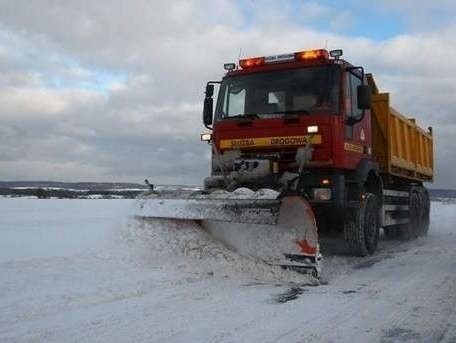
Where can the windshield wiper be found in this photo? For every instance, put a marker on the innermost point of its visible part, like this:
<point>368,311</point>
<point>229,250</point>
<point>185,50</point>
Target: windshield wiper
<point>292,112</point>
<point>243,115</point>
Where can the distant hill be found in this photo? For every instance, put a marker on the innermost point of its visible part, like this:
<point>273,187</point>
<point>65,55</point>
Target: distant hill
<point>74,190</point>
<point>71,190</point>
<point>442,193</point>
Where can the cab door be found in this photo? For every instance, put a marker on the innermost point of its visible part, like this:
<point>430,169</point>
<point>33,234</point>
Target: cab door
<point>357,133</point>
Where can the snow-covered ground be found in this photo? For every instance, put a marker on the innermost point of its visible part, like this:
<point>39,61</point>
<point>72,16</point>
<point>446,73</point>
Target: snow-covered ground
<point>77,270</point>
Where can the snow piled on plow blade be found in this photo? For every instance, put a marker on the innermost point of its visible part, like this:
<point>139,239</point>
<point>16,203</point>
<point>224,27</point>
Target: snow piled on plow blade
<point>240,206</point>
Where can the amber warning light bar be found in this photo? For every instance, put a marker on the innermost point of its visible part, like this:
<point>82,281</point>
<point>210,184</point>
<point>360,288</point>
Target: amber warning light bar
<point>301,56</point>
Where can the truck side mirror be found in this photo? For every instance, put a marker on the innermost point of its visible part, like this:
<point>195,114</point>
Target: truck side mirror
<point>209,90</point>
<point>207,111</point>
<point>208,105</point>
<point>363,93</point>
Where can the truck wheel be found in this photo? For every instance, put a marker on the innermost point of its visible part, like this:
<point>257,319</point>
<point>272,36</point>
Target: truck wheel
<point>425,211</point>
<point>391,232</point>
<point>412,229</point>
<point>361,228</point>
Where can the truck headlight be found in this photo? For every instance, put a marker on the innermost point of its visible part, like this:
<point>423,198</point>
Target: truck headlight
<point>322,194</point>
<point>206,137</point>
<point>312,129</point>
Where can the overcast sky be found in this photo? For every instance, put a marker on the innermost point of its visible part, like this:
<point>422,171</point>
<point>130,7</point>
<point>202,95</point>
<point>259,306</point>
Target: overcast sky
<point>112,90</point>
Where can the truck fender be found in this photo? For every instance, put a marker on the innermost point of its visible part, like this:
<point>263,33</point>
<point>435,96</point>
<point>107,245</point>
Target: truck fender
<point>366,168</point>
<point>369,177</point>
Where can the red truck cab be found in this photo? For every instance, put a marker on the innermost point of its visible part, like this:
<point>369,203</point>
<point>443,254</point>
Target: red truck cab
<point>270,107</point>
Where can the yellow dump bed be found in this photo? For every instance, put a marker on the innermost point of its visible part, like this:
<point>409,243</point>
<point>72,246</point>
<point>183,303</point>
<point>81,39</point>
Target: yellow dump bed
<point>400,146</point>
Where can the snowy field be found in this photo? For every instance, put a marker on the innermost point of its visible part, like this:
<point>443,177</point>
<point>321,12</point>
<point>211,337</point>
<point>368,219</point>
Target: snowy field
<point>78,271</point>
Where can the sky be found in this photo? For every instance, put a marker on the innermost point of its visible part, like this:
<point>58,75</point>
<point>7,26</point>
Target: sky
<point>112,90</point>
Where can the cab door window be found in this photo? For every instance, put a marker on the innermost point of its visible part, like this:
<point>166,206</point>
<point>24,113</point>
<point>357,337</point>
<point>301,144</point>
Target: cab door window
<point>352,109</point>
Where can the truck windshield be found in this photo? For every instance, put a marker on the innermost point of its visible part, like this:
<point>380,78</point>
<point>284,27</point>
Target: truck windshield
<point>311,90</point>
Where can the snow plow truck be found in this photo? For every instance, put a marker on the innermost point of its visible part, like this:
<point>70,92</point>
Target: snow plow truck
<point>304,145</point>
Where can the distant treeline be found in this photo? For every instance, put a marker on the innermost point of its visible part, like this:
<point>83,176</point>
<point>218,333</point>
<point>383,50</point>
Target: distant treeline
<point>108,190</point>
<point>442,193</point>
<point>98,186</point>
<point>44,193</point>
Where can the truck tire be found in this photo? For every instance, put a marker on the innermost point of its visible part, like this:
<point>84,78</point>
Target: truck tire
<point>391,232</point>
<point>425,211</point>
<point>361,227</point>
<point>413,228</point>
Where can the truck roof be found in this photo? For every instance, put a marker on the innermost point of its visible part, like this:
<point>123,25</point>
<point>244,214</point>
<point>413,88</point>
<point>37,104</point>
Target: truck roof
<point>300,59</point>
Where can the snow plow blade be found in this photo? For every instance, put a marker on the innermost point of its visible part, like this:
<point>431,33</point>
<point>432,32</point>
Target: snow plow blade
<point>279,231</point>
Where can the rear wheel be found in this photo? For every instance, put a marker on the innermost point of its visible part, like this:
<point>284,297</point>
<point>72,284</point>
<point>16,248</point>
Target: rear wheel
<point>425,211</point>
<point>391,232</point>
<point>414,227</point>
<point>361,228</point>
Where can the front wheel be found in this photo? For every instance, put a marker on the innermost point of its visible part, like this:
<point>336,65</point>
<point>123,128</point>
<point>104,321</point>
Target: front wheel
<point>361,228</point>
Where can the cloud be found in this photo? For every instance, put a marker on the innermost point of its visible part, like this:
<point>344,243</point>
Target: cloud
<point>26,103</point>
<point>424,16</point>
<point>111,90</point>
<point>335,19</point>
<point>49,170</point>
